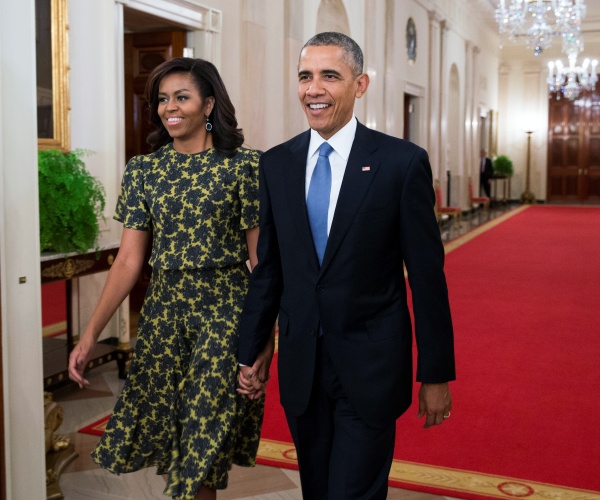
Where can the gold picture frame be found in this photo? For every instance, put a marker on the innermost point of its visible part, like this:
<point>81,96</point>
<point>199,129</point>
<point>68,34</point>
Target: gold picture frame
<point>52,69</point>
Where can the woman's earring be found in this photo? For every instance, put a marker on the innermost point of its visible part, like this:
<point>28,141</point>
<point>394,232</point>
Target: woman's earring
<point>208,124</point>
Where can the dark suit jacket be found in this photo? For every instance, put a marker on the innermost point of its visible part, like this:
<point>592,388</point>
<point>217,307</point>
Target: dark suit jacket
<point>488,171</point>
<point>384,217</point>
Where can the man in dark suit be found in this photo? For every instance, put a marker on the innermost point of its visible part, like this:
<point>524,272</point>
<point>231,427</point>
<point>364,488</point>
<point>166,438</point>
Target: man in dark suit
<point>334,276</point>
<point>486,172</point>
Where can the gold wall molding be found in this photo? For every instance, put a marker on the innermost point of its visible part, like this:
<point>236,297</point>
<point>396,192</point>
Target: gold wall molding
<point>68,268</point>
<point>59,26</point>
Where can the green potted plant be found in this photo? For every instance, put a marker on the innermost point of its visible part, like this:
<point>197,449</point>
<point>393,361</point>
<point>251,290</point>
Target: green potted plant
<point>503,166</point>
<point>71,202</point>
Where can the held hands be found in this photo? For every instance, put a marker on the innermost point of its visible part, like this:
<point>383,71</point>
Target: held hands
<point>78,360</point>
<point>253,379</point>
<point>250,383</point>
<point>435,402</point>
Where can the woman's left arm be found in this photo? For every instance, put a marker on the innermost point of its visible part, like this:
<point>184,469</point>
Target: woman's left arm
<point>251,242</point>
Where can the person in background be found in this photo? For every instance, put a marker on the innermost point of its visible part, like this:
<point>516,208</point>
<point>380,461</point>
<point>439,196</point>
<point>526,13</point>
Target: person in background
<point>195,198</point>
<point>486,172</point>
<point>342,209</point>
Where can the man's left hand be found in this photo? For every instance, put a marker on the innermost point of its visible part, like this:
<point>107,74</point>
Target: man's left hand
<point>435,402</point>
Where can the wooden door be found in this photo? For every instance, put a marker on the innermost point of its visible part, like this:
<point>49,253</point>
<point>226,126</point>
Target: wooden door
<point>143,52</point>
<point>574,150</point>
<point>591,164</point>
<point>564,150</point>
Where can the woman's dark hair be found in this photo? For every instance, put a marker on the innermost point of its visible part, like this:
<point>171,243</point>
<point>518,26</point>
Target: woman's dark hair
<point>227,137</point>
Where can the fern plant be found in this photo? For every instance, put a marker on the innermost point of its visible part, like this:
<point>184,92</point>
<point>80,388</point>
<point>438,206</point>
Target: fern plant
<point>71,202</point>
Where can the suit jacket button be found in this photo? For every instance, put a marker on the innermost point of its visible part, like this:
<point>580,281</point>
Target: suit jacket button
<point>313,333</point>
<point>320,288</point>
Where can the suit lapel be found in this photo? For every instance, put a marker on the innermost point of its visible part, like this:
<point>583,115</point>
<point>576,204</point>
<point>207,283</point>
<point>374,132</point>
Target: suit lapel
<point>360,172</point>
<point>295,174</point>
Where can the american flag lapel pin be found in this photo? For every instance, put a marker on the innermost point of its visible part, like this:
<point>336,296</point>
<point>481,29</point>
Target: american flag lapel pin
<point>366,169</point>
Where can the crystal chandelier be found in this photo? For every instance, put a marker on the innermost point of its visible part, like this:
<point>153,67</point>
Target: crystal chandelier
<point>539,22</point>
<point>571,80</point>
<point>569,15</point>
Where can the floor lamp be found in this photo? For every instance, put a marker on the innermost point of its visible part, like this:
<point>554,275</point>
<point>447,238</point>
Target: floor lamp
<point>527,196</point>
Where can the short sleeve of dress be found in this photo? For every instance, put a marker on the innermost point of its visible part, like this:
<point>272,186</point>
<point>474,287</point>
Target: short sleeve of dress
<point>132,209</point>
<point>248,190</point>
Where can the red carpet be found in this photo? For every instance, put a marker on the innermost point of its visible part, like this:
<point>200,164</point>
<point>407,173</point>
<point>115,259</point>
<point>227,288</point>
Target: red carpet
<point>525,297</point>
<point>96,428</point>
<point>54,308</point>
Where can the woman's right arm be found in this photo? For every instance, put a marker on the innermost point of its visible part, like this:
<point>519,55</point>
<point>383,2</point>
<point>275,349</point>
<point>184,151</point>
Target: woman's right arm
<point>121,278</point>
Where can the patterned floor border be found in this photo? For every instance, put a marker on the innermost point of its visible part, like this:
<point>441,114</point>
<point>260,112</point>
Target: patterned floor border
<point>452,482</point>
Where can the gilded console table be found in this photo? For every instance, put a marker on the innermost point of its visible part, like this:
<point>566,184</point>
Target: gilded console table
<point>58,267</point>
<point>505,180</point>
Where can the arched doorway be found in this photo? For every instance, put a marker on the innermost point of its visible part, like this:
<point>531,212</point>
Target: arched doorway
<point>332,16</point>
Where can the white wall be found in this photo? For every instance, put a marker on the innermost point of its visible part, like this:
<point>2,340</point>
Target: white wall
<point>446,38</point>
<point>417,73</point>
<point>525,107</point>
<point>97,125</point>
<point>96,118</point>
<point>22,375</point>
<point>252,41</point>
<point>260,44</point>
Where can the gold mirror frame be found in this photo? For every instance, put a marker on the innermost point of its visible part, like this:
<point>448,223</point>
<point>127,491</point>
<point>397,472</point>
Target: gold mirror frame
<point>59,29</point>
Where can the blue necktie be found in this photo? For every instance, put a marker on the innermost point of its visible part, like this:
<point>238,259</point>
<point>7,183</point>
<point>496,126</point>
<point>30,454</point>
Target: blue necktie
<point>317,201</point>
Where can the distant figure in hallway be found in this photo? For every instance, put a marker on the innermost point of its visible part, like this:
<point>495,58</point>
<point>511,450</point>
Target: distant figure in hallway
<point>196,197</point>
<point>486,172</point>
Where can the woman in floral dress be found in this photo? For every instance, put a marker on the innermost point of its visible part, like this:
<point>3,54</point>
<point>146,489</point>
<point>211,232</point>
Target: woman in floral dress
<point>196,198</point>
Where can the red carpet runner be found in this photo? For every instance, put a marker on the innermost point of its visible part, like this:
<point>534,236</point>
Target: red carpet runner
<point>525,297</point>
<point>54,309</point>
<point>96,428</point>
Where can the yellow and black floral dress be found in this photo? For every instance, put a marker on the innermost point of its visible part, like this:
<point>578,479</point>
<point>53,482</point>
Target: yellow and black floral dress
<point>179,409</point>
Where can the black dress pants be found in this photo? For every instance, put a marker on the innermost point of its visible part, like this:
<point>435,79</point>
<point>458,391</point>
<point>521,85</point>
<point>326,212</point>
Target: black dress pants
<point>486,185</point>
<point>340,457</point>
